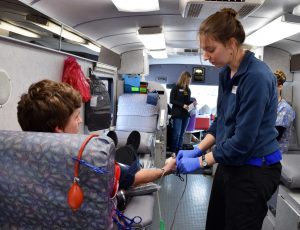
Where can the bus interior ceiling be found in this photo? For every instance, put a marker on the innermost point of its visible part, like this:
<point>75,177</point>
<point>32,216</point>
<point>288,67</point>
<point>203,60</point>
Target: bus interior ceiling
<point>107,40</point>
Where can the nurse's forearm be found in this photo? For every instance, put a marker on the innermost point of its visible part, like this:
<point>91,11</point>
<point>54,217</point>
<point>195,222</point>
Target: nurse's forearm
<point>207,142</point>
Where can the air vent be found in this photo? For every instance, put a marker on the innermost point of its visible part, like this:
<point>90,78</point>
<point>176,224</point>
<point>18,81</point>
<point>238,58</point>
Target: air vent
<point>187,52</point>
<point>204,8</point>
<point>194,10</point>
<point>191,50</point>
<point>246,10</point>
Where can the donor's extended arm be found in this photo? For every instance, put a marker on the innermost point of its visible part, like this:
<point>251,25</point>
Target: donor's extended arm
<point>148,175</point>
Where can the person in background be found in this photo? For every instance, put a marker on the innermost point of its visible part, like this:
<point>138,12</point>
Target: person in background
<point>244,132</point>
<point>285,115</point>
<point>51,106</point>
<point>180,98</point>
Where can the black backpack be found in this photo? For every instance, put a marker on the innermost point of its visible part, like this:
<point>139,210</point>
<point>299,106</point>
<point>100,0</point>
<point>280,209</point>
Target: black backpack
<point>98,109</point>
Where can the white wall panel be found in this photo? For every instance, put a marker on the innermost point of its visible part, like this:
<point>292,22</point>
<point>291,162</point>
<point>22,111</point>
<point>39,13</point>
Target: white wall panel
<point>25,65</point>
<point>278,59</point>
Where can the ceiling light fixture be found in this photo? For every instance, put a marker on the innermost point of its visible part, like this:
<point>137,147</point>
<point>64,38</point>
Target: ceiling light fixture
<point>296,10</point>
<point>136,5</point>
<point>56,29</point>
<point>152,38</point>
<point>278,29</point>
<point>17,30</point>
<point>158,54</point>
<point>91,46</point>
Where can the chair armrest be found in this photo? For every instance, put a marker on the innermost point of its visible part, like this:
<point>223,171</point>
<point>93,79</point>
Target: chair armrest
<point>162,120</point>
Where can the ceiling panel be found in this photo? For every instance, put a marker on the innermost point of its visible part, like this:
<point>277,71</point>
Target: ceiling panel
<point>75,11</point>
<point>118,39</point>
<point>102,22</point>
<point>127,47</point>
<point>185,35</point>
<point>291,46</point>
<point>112,26</point>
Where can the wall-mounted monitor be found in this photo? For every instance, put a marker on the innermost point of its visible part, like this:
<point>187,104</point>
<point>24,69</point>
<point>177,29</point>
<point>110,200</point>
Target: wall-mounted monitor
<point>199,74</point>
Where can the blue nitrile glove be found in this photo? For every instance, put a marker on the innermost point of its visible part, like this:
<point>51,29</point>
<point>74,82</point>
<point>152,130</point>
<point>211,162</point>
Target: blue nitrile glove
<point>196,152</point>
<point>188,165</point>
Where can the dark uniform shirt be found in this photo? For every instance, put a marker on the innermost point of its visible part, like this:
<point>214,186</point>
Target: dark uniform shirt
<point>179,97</point>
<point>246,113</point>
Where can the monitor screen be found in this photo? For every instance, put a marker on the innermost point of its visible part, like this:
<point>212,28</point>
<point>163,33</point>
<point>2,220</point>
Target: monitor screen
<point>199,74</point>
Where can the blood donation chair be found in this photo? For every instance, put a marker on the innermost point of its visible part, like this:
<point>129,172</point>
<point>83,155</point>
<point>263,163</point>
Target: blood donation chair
<point>36,173</point>
<point>134,113</point>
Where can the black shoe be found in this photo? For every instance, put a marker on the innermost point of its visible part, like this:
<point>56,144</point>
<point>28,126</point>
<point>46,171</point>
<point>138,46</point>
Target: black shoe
<point>134,139</point>
<point>113,136</point>
<point>125,155</point>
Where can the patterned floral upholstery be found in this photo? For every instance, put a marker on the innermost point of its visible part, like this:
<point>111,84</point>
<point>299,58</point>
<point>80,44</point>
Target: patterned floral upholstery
<point>36,172</point>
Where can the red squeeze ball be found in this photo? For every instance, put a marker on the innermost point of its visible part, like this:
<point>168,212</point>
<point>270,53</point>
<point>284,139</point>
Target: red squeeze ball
<point>75,197</point>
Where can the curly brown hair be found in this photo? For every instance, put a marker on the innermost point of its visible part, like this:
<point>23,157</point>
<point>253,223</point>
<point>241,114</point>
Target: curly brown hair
<point>47,105</point>
<point>280,76</point>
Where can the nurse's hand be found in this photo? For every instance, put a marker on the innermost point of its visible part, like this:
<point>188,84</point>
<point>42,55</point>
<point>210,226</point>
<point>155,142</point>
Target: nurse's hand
<point>196,152</point>
<point>188,165</point>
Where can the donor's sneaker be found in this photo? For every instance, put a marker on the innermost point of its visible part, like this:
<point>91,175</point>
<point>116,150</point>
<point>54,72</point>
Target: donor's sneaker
<point>112,134</point>
<point>134,139</point>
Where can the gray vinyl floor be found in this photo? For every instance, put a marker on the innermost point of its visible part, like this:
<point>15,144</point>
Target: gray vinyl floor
<point>191,213</point>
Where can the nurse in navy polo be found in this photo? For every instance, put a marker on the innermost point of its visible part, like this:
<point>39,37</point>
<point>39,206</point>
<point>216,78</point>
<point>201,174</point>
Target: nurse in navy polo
<point>243,132</point>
